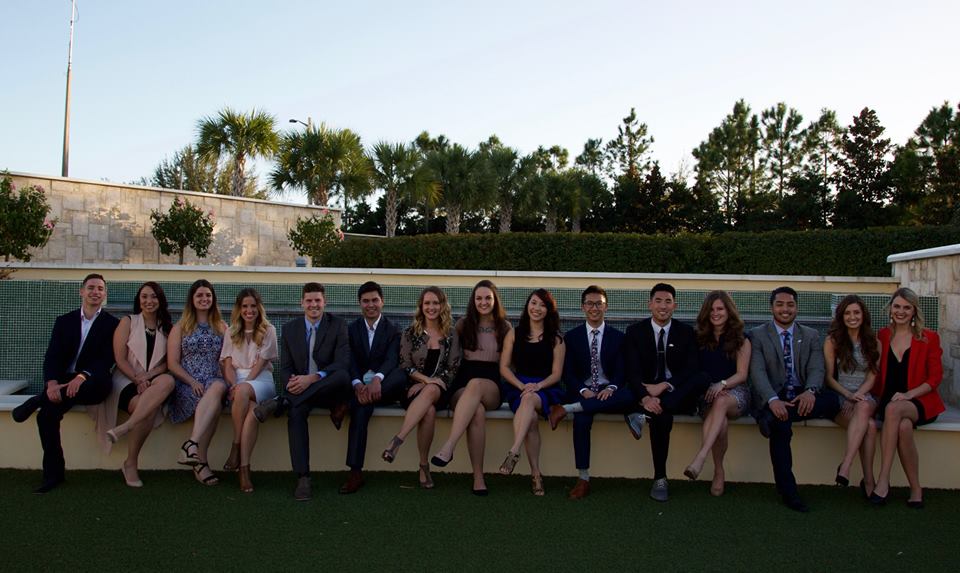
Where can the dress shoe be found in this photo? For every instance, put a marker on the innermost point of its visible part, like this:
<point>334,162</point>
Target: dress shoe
<point>303,491</point>
<point>440,462</point>
<point>480,492</point>
<point>581,490</point>
<point>354,482</point>
<point>841,481</point>
<point>918,504</point>
<point>338,413</point>
<point>233,459</point>
<point>274,406</point>
<point>49,485</point>
<point>659,490</point>
<point>23,411</point>
<point>510,462</point>
<point>635,424</point>
<point>764,419</point>
<point>795,503</point>
<point>877,500</point>
<point>135,482</point>
<point>390,453</point>
<point>863,489</point>
<point>557,413</point>
<point>246,485</point>
<point>692,472</point>
<point>427,481</point>
<point>536,486</point>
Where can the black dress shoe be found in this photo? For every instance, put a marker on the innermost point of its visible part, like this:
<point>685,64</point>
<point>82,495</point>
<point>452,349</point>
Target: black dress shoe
<point>23,411</point>
<point>795,503</point>
<point>481,492</point>
<point>49,485</point>
<point>763,422</point>
<point>841,481</point>
<point>877,500</point>
<point>915,504</point>
<point>863,489</point>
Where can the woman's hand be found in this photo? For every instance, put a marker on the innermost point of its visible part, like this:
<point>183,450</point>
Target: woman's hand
<point>530,388</point>
<point>197,389</point>
<point>713,391</point>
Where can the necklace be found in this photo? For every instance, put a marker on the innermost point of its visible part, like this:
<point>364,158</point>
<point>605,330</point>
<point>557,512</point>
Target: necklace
<point>485,329</point>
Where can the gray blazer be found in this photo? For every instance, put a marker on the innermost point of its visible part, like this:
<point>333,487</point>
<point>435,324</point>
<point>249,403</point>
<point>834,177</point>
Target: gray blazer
<point>767,374</point>
<point>331,350</point>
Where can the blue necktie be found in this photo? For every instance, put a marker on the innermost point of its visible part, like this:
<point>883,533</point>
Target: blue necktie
<point>790,388</point>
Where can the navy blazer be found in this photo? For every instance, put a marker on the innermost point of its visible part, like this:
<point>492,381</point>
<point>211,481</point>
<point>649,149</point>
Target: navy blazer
<point>96,356</point>
<point>331,351</point>
<point>640,355</point>
<point>576,362</point>
<point>383,356</point>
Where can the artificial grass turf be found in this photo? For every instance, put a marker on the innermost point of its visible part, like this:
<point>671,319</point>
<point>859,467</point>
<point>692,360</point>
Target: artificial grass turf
<point>95,523</point>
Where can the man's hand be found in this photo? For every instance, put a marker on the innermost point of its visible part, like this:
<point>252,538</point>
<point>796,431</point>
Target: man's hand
<point>604,394</point>
<point>587,394</point>
<point>361,393</point>
<point>53,391</point>
<point>804,403</point>
<point>779,409</point>
<point>73,386</point>
<point>651,404</point>
<point>374,390</point>
<point>299,383</point>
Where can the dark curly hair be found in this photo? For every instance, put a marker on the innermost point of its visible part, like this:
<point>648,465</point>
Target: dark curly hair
<point>841,338</point>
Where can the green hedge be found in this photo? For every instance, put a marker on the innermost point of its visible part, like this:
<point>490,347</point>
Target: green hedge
<point>823,252</point>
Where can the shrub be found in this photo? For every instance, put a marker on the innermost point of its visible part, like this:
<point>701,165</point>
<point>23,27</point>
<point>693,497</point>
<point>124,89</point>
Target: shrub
<point>24,224</point>
<point>184,225</point>
<point>317,237</point>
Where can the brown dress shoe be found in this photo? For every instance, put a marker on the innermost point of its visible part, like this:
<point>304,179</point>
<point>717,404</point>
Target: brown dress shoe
<point>557,413</point>
<point>338,413</point>
<point>581,490</point>
<point>354,482</point>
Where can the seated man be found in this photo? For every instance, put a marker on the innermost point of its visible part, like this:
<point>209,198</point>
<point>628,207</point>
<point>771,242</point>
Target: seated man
<point>374,368</point>
<point>76,369</point>
<point>315,363</point>
<point>661,366</point>
<point>786,375</point>
<point>593,376</point>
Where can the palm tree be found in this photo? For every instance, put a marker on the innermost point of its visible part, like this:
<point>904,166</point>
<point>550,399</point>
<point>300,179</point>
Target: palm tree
<point>240,136</point>
<point>322,162</point>
<point>463,180</point>
<point>398,169</point>
<point>509,173</point>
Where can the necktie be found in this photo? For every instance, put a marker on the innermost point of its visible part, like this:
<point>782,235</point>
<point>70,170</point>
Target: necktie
<point>313,343</point>
<point>790,387</point>
<point>595,360</point>
<point>661,357</point>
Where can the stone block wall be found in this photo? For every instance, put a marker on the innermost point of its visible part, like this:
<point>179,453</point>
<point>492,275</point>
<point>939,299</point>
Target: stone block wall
<point>103,222</point>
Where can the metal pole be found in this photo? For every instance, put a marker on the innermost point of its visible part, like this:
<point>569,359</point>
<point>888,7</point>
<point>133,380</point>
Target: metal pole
<point>66,113</point>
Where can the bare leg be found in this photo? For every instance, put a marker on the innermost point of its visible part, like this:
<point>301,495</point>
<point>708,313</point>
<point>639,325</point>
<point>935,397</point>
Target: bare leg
<point>206,417</point>
<point>868,450</point>
<point>719,451</point>
<point>425,431</point>
<point>909,459</point>
<point>476,443</point>
<point>242,397</point>
<point>248,437</point>
<point>418,409</point>
<point>715,422</point>
<point>145,405</point>
<point>894,413</point>
<point>856,430</point>
<point>523,419</point>
<point>532,446</point>
<point>478,391</point>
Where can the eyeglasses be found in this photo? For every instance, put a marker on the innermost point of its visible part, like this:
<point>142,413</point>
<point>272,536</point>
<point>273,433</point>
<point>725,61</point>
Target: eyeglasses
<point>594,303</point>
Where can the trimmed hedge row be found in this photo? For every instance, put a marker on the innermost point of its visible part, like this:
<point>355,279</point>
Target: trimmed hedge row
<point>840,252</point>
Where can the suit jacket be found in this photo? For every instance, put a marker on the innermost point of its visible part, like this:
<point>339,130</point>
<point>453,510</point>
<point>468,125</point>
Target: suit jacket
<point>925,366</point>
<point>383,356</point>
<point>96,356</point>
<point>640,356</point>
<point>331,351</point>
<point>767,373</point>
<point>576,362</point>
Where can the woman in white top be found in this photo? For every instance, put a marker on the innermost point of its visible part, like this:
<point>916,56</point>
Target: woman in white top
<point>248,350</point>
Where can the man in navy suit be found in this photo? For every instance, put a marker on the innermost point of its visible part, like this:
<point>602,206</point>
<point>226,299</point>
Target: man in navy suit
<point>593,376</point>
<point>661,367</point>
<point>375,374</point>
<point>76,370</point>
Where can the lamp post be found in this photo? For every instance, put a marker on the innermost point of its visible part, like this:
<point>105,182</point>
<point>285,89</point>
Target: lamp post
<point>65,169</point>
<point>308,125</point>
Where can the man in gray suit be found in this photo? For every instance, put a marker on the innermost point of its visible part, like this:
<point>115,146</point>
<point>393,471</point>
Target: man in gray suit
<point>315,363</point>
<point>786,375</point>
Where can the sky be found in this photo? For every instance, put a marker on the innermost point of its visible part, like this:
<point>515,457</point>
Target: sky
<point>531,72</point>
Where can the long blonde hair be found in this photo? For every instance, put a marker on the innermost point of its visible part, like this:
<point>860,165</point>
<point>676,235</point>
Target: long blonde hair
<point>188,322</point>
<point>916,325</point>
<point>260,325</point>
<point>446,317</point>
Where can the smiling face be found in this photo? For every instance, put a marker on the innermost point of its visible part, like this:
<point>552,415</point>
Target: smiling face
<point>149,301</point>
<point>93,293</point>
<point>661,307</point>
<point>203,299</point>
<point>430,307</point>
<point>313,304</point>
<point>371,305</point>
<point>784,309</point>
<point>536,309</point>
<point>249,311</point>
<point>594,308</point>
<point>718,315</point>
<point>853,316</point>
<point>483,299</point>
<point>901,311</point>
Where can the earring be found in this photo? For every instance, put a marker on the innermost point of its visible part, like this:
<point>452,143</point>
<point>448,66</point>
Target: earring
<point>913,321</point>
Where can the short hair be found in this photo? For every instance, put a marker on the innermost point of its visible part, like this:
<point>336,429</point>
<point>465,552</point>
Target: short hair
<point>313,287</point>
<point>782,290</point>
<point>592,289</point>
<point>92,276</point>
<point>369,286</point>
<point>663,287</point>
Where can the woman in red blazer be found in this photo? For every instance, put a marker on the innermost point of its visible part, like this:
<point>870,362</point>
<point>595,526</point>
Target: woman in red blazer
<point>910,372</point>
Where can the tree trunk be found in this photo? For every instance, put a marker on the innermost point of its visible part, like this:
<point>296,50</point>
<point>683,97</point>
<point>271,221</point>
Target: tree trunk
<point>575,224</point>
<point>453,219</point>
<point>551,222</point>
<point>237,180</point>
<point>390,206</point>
<point>181,256</point>
<point>506,217</point>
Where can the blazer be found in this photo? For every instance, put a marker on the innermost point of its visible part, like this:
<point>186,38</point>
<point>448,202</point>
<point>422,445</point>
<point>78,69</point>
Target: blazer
<point>924,366</point>
<point>640,355</point>
<point>767,373</point>
<point>96,356</point>
<point>331,351</point>
<point>383,356</point>
<point>576,362</point>
<point>413,356</point>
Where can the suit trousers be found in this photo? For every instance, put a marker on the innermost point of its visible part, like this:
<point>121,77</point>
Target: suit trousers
<point>680,401</point>
<point>391,390</point>
<point>781,432</point>
<point>93,391</point>
<point>331,390</point>
<point>621,402</point>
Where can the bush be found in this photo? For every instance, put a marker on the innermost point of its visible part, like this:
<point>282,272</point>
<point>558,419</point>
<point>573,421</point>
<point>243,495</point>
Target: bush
<point>184,225</point>
<point>317,237</point>
<point>822,252</point>
<point>23,220</point>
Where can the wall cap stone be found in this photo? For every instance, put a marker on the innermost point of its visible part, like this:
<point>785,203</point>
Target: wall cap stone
<point>931,253</point>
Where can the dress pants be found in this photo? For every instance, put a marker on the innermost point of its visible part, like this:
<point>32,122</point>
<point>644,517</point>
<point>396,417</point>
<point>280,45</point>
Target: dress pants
<point>391,390</point>
<point>622,401</point>
<point>781,432</point>
<point>683,400</point>
<point>93,391</point>
<point>331,390</point>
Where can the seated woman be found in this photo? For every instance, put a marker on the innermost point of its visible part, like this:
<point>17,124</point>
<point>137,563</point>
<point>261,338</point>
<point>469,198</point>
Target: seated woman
<point>910,372</point>
<point>193,357</point>
<point>725,361</point>
<point>246,361</point>
<point>535,352</point>
<point>430,354</point>
<point>851,357</point>
<point>140,382</point>
<point>476,388</point>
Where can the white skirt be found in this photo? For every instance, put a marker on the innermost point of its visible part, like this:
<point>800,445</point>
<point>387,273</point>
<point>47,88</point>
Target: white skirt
<point>263,385</point>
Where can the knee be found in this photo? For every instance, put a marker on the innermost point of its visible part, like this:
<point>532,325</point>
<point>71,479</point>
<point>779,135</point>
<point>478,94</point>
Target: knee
<point>905,428</point>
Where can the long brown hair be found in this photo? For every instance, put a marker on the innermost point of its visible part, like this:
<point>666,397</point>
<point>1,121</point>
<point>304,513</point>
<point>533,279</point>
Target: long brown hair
<point>468,328</point>
<point>164,321</point>
<point>551,322</point>
<point>420,321</point>
<point>842,343</point>
<point>237,324</point>
<point>732,331</point>
<point>188,321</point>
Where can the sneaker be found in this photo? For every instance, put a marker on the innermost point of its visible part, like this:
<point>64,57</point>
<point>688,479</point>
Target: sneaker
<point>659,490</point>
<point>635,423</point>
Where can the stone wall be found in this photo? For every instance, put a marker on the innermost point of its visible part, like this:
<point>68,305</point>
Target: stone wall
<point>936,272</point>
<point>103,222</point>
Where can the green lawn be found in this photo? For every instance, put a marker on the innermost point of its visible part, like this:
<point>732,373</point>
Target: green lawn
<point>94,522</point>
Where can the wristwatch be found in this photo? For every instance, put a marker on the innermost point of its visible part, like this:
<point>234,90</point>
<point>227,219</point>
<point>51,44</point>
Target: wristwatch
<point>724,384</point>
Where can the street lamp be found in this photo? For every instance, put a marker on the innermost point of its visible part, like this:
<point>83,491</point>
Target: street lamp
<point>308,125</point>
<point>65,168</point>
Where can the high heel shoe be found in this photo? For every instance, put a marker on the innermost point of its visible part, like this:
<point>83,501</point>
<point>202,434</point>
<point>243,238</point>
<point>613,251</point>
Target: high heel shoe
<point>440,462</point>
<point>188,458</point>
<point>427,482</point>
<point>390,453</point>
<point>506,468</point>
<point>233,460</point>
<point>878,501</point>
<point>115,434</point>
<point>537,485</point>
<point>246,486</point>
<point>691,472</point>
<point>841,481</point>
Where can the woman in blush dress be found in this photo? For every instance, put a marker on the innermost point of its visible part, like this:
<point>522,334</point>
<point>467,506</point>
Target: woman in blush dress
<point>430,354</point>
<point>532,364</point>
<point>725,361</point>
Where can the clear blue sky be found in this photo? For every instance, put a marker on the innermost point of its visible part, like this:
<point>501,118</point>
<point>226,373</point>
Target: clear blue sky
<point>534,73</point>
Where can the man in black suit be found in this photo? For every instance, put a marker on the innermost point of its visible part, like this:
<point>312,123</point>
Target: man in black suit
<point>76,369</point>
<point>593,377</point>
<point>315,362</point>
<point>661,368</point>
<point>375,374</point>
